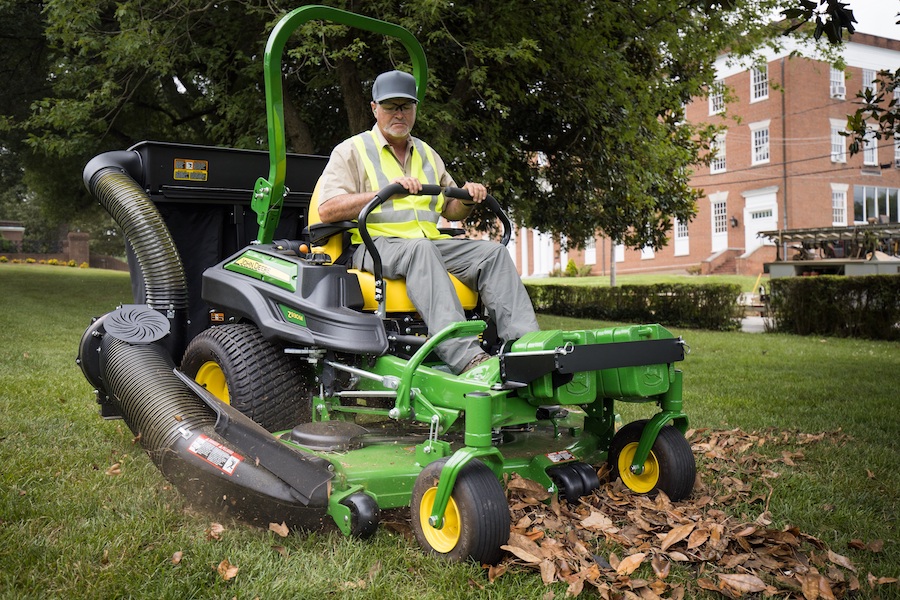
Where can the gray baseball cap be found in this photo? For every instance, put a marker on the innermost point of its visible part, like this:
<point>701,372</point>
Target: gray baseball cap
<point>394,84</point>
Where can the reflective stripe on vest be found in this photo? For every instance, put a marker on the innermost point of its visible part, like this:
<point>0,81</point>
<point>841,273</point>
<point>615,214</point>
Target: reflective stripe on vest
<point>405,216</point>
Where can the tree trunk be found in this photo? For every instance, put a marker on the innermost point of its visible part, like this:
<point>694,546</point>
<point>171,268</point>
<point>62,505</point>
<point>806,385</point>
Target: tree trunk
<point>296,130</point>
<point>357,104</point>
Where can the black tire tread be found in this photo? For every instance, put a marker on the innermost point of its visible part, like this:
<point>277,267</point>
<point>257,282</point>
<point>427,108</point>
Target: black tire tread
<point>264,383</point>
<point>678,468</point>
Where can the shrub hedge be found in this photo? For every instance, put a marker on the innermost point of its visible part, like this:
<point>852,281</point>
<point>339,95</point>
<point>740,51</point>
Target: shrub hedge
<point>866,306</point>
<point>711,306</point>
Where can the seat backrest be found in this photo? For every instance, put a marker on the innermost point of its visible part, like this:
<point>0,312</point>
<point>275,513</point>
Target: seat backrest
<point>395,294</point>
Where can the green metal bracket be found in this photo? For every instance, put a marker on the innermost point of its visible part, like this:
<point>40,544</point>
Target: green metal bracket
<point>459,329</point>
<point>268,194</point>
<point>671,406</point>
<point>449,474</point>
<point>340,512</point>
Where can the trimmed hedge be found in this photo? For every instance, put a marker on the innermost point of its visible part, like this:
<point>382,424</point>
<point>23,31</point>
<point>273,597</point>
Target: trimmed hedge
<point>711,306</point>
<point>866,306</point>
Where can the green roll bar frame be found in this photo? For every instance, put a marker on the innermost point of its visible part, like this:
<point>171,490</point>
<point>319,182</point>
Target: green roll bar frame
<point>268,194</point>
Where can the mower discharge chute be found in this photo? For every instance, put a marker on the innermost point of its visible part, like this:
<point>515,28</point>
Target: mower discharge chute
<point>308,393</point>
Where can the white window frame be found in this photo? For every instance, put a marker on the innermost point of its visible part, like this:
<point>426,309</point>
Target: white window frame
<point>647,253</point>
<point>590,251</point>
<point>839,204</point>
<point>759,83</point>
<point>760,148</point>
<point>870,149</point>
<point>717,97</point>
<point>838,84</point>
<point>619,253</point>
<point>720,216</point>
<point>718,163</point>
<point>838,141</point>
<point>868,80</point>
<point>897,152</point>
<point>682,238</point>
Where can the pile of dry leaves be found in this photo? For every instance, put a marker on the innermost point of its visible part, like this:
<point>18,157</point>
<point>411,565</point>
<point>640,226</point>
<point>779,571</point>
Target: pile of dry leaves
<point>728,555</point>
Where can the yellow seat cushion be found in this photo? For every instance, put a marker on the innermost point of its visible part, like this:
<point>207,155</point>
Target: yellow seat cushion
<point>396,298</point>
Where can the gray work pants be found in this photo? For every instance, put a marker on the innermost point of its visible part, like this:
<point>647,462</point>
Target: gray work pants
<point>482,265</point>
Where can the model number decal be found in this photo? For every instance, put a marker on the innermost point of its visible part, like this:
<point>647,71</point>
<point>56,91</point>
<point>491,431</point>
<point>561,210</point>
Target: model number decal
<point>224,459</point>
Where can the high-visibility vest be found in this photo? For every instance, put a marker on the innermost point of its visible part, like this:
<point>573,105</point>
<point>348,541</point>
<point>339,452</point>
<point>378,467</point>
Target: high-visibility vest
<point>407,216</point>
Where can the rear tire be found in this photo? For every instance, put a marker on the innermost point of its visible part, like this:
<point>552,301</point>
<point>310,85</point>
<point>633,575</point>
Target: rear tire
<point>670,467</point>
<point>476,522</point>
<point>243,369</point>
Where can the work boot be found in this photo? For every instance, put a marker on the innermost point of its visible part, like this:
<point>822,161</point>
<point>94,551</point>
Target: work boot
<point>479,358</point>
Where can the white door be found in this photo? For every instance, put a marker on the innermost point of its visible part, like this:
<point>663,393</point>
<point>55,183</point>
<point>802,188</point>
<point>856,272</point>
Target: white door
<point>760,214</point>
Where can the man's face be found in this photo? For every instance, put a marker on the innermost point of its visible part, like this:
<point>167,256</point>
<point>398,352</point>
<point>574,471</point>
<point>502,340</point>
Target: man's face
<point>395,117</point>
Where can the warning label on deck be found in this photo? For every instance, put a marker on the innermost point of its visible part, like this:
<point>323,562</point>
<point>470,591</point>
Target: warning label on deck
<point>187,169</point>
<point>561,456</point>
<point>216,454</point>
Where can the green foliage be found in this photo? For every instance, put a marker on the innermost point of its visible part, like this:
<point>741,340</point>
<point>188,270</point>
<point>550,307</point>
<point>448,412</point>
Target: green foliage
<point>711,306</point>
<point>571,269</point>
<point>867,307</point>
<point>571,111</point>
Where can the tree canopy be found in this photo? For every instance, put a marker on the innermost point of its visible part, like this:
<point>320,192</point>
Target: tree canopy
<point>571,111</point>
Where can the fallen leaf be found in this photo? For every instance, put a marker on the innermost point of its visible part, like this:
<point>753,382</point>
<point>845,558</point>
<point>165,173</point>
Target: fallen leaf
<point>548,572</point>
<point>114,469</point>
<point>743,583</point>
<point>676,535</point>
<point>495,571</point>
<point>628,564</point>
<point>280,550</point>
<point>870,474</point>
<point>522,554</point>
<point>599,521</point>
<point>176,558</point>
<point>660,566</point>
<point>840,560</point>
<point>226,570</point>
<point>281,529</point>
<point>214,531</point>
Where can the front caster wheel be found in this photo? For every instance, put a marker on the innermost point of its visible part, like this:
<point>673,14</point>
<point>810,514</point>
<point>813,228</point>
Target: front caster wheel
<point>670,467</point>
<point>364,514</point>
<point>476,522</point>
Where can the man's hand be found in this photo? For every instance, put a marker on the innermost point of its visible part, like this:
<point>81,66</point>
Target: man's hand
<point>476,190</point>
<point>412,185</point>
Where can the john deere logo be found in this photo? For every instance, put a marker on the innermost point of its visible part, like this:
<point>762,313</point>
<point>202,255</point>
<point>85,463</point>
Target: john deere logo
<point>262,268</point>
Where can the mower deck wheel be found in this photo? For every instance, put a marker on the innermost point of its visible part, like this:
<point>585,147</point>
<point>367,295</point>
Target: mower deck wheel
<point>670,466</point>
<point>476,521</point>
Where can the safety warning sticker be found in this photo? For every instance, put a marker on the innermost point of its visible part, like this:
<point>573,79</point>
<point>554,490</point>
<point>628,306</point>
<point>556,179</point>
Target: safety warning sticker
<point>216,454</point>
<point>561,456</point>
<point>187,169</point>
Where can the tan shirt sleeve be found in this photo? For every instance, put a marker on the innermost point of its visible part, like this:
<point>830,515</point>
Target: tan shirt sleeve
<point>344,173</point>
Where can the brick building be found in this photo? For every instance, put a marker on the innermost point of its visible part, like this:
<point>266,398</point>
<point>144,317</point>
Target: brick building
<point>781,164</point>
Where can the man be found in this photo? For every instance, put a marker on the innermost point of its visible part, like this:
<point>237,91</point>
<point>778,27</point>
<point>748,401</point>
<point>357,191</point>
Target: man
<point>404,228</point>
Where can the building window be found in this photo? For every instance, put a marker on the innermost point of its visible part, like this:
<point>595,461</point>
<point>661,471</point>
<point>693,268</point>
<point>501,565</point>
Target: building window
<point>619,253</point>
<point>717,97</point>
<point>647,253</point>
<point>759,83</point>
<point>720,217</point>
<point>761,214</point>
<point>682,243</point>
<point>717,164</point>
<point>868,81</point>
<point>760,135</point>
<point>838,142</point>
<point>897,153</point>
<point>839,204</point>
<point>590,252</point>
<point>838,87</point>
<point>875,204</point>
<point>870,149</point>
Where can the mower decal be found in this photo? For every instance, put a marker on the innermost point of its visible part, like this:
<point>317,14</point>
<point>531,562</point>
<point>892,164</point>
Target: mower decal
<point>561,456</point>
<point>293,316</point>
<point>187,169</point>
<point>224,459</point>
<point>265,268</point>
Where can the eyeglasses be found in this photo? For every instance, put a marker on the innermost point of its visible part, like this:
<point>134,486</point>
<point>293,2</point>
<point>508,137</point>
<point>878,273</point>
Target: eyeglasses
<point>391,108</point>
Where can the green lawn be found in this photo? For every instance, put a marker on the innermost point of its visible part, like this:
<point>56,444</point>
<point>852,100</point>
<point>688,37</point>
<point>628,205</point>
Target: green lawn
<point>746,282</point>
<point>72,528</point>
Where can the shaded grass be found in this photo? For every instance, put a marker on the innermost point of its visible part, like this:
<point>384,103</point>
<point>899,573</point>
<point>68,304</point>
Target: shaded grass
<point>70,530</point>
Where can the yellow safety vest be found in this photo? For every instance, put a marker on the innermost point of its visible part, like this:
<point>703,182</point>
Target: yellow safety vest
<point>408,216</point>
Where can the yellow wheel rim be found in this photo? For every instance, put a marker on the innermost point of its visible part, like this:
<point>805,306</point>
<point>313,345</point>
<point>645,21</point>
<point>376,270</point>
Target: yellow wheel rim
<point>212,378</point>
<point>444,539</point>
<point>644,482</point>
